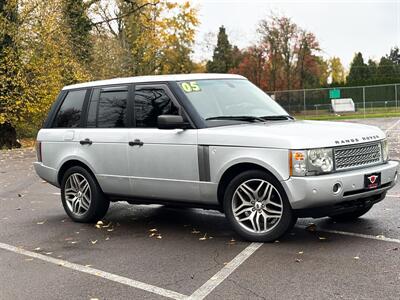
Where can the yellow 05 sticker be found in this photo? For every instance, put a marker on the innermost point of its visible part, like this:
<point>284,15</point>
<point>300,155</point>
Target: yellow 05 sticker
<point>189,87</point>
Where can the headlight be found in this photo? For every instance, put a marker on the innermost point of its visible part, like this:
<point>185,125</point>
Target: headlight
<point>320,161</point>
<point>385,150</point>
<point>311,162</point>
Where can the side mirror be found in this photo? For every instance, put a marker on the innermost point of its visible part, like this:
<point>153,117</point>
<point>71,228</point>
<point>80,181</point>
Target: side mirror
<point>172,122</point>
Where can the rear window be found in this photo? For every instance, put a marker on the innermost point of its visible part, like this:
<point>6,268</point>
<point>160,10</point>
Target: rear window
<point>108,107</point>
<point>69,115</point>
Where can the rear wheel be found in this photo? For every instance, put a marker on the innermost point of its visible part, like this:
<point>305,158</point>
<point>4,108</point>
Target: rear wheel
<point>351,216</point>
<point>82,197</point>
<point>257,207</point>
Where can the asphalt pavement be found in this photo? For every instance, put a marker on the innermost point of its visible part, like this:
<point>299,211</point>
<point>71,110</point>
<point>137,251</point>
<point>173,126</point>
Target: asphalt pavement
<point>157,252</point>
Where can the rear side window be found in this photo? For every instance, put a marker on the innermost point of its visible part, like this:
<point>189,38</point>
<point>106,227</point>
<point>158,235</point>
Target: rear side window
<point>150,102</point>
<point>69,115</point>
<point>108,108</point>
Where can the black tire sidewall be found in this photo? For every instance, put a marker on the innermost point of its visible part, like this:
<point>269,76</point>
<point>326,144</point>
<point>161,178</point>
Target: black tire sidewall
<point>98,203</point>
<point>287,221</point>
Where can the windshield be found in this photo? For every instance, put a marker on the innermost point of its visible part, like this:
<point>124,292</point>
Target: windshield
<point>238,99</point>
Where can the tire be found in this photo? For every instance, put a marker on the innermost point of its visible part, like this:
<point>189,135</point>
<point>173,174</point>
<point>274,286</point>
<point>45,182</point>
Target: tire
<point>269,221</point>
<point>87,203</point>
<point>351,216</point>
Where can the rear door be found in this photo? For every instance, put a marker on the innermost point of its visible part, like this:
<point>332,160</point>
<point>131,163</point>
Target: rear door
<point>103,143</point>
<point>163,164</point>
<point>59,139</point>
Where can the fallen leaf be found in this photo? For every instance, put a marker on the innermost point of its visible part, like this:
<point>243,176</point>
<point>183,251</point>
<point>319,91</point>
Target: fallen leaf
<point>48,253</point>
<point>159,236</point>
<point>41,223</point>
<point>74,242</point>
<point>298,260</point>
<point>232,242</point>
<point>97,226</point>
<point>194,231</point>
<point>356,257</point>
<point>100,223</point>
<point>152,234</point>
<point>37,249</point>
<point>153,230</point>
<point>110,229</point>
<point>300,252</point>
<point>107,238</point>
<point>203,238</point>
<point>93,242</point>
<point>106,226</point>
<point>322,238</point>
<point>311,227</point>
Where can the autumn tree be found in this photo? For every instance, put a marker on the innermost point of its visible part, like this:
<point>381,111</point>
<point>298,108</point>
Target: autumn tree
<point>337,71</point>
<point>150,37</point>
<point>253,65</point>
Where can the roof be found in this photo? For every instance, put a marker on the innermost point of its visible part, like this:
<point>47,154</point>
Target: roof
<point>154,78</point>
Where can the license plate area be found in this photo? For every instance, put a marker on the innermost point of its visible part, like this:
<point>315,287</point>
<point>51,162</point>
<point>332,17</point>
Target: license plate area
<point>372,181</point>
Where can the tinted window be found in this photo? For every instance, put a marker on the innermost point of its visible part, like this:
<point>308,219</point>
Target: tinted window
<point>150,102</point>
<point>70,111</point>
<point>112,108</point>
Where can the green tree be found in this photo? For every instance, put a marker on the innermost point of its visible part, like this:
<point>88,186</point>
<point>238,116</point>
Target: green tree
<point>222,60</point>
<point>79,26</point>
<point>386,69</point>
<point>11,73</point>
<point>359,73</point>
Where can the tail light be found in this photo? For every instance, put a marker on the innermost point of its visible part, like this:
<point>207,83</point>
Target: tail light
<point>39,151</point>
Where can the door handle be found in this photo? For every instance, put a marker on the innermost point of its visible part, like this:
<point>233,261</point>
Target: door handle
<point>136,142</point>
<point>86,142</point>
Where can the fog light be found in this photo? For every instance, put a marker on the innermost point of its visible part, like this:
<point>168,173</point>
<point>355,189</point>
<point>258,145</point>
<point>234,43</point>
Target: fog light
<point>337,187</point>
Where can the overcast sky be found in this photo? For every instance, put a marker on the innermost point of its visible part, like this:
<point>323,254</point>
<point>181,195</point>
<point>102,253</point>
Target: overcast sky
<point>342,27</point>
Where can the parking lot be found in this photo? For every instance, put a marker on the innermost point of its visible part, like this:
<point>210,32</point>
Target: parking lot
<point>153,252</point>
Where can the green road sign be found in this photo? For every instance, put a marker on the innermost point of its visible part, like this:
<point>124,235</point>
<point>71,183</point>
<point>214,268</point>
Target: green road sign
<point>334,94</point>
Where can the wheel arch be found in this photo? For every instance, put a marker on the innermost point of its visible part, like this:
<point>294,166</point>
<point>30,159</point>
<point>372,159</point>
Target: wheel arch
<point>72,163</point>
<point>235,169</point>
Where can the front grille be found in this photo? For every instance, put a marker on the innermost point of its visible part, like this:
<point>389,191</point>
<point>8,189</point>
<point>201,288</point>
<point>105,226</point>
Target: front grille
<point>357,156</point>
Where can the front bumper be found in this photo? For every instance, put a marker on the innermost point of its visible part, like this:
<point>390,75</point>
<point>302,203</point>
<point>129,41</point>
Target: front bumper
<point>317,191</point>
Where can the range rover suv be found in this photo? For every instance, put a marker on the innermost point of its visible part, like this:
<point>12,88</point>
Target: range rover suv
<point>208,140</point>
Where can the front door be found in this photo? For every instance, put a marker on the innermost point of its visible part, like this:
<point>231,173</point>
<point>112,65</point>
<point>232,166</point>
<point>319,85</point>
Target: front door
<point>163,164</point>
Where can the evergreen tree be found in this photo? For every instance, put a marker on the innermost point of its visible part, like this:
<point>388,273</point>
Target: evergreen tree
<point>222,60</point>
<point>359,73</point>
<point>78,26</point>
<point>386,69</point>
<point>394,55</point>
<point>10,79</point>
<point>373,70</point>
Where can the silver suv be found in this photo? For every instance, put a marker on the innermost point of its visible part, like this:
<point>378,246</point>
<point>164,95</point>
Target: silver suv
<point>211,141</point>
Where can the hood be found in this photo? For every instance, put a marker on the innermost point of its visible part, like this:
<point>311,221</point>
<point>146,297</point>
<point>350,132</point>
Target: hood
<point>290,134</point>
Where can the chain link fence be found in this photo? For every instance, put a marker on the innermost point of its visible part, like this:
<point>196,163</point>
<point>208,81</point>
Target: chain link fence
<point>372,99</point>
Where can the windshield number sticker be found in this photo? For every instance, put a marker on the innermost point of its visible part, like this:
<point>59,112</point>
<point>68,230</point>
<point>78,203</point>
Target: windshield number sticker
<point>189,87</point>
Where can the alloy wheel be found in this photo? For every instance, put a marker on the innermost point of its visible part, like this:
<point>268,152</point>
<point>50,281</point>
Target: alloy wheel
<point>257,206</point>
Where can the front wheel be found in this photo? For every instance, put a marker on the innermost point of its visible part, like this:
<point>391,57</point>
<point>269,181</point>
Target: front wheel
<point>257,207</point>
<point>82,197</point>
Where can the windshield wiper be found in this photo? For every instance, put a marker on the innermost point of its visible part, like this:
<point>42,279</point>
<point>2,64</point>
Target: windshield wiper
<point>277,118</point>
<point>238,118</point>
